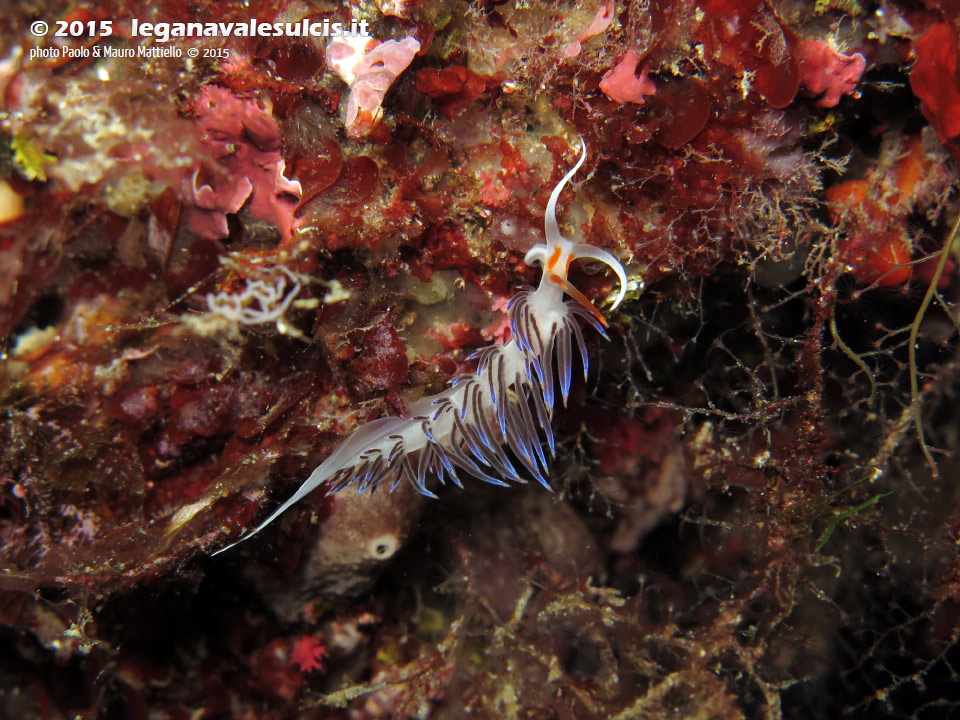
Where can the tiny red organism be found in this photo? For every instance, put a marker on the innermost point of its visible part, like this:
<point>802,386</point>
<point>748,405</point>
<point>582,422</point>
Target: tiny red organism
<point>309,653</point>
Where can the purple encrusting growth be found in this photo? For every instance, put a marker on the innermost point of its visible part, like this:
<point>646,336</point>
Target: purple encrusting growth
<point>506,404</point>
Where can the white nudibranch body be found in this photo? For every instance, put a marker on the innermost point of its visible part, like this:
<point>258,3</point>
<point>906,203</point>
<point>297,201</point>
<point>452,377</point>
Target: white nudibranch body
<point>507,404</point>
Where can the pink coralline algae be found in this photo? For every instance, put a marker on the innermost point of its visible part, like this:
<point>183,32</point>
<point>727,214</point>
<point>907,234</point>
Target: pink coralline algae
<point>826,72</point>
<point>621,84</point>
<point>245,138</point>
<point>206,213</point>
<point>601,21</point>
<point>369,68</point>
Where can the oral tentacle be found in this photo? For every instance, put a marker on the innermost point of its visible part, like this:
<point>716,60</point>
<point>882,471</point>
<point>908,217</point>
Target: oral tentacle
<point>578,296</point>
<point>581,250</point>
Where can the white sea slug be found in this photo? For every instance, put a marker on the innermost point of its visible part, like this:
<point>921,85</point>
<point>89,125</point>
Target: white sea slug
<point>505,405</point>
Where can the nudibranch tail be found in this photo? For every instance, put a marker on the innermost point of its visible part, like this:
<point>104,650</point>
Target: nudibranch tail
<point>491,424</point>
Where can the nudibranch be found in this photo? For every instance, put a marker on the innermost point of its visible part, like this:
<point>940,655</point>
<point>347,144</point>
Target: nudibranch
<point>506,405</point>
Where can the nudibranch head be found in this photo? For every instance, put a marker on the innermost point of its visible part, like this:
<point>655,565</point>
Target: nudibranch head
<point>558,253</point>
